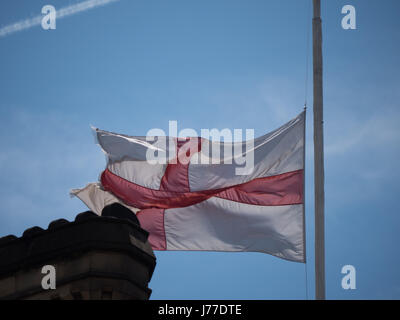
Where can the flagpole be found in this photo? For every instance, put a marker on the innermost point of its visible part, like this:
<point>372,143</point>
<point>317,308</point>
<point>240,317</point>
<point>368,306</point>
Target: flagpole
<point>319,192</point>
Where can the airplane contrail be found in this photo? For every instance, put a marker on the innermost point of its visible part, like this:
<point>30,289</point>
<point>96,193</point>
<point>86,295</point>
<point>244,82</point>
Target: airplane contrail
<point>61,13</point>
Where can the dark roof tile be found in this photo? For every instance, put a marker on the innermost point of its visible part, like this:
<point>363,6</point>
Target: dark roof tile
<point>85,216</point>
<point>7,239</point>
<point>57,223</point>
<point>32,232</point>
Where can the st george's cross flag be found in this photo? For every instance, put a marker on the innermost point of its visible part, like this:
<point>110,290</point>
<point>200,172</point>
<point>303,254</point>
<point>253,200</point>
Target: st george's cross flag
<point>198,203</point>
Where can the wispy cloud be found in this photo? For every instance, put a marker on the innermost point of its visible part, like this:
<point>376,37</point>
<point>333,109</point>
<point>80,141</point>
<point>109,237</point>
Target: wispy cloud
<point>61,13</point>
<point>379,130</point>
<point>48,154</point>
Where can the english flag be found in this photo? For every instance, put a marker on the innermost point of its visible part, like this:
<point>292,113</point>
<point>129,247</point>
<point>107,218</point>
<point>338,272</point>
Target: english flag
<point>252,200</point>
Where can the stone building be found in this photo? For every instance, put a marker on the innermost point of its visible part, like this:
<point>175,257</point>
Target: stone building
<point>94,258</point>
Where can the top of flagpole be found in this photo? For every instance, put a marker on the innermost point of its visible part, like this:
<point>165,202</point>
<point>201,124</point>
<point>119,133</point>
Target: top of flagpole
<point>317,8</point>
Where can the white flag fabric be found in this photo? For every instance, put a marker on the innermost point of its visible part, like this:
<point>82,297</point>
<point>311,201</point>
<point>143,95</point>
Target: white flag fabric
<point>189,201</point>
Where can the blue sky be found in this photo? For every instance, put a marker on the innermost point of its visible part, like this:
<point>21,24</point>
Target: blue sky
<point>134,65</point>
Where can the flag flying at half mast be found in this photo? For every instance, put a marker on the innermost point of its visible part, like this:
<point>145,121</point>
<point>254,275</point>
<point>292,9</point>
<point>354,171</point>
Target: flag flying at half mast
<point>190,201</point>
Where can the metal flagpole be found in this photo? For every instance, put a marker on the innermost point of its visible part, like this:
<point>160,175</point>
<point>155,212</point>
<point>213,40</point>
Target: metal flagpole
<point>318,155</point>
